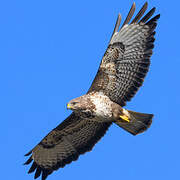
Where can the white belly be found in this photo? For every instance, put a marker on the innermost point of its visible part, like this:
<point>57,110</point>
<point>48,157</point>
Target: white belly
<point>103,105</point>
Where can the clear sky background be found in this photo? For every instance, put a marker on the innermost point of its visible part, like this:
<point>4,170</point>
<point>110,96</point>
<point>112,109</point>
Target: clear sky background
<point>49,53</point>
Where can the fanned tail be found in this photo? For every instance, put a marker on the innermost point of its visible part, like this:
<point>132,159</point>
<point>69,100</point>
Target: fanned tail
<point>139,122</point>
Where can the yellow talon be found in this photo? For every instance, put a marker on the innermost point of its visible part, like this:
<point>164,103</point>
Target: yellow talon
<point>125,118</point>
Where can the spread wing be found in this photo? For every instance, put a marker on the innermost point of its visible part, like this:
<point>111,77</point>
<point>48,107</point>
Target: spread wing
<point>64,144</point>
<point>127,58</point>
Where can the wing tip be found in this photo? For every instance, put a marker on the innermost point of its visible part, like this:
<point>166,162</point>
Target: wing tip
<point>139,18</point>
<point>130,14</point>
<point>146,3</point>
<point>38,172</point>
<point>148,15</point>
<point>116,27</point>
<point>118,22</point>
<point>28,161</point>
<point>32,168</point>
<point>140,13</point>
<point>27,154</point>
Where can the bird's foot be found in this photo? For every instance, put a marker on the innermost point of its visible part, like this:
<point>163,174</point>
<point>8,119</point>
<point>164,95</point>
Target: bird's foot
<point>124,118</point>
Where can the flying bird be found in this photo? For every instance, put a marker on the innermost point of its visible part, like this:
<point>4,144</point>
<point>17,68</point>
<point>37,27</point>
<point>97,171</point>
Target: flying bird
<point>121,72</point>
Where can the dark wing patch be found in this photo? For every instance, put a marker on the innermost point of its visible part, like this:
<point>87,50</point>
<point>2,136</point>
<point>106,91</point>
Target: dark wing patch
<point>64,144</point>
<point>127,58</point>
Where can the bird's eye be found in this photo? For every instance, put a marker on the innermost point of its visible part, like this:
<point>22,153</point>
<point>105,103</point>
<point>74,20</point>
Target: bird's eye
<point>73,103</point>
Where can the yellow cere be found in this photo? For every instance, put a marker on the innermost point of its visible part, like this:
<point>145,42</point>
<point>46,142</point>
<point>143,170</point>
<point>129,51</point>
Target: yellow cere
<point>68,106</point>
<point>125,118</point>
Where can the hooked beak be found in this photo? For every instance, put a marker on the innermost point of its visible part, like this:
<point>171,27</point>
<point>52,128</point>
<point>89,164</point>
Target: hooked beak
<point>68,106</point>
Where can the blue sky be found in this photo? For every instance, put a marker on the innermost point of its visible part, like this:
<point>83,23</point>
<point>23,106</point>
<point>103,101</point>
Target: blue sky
<point>50,52</point>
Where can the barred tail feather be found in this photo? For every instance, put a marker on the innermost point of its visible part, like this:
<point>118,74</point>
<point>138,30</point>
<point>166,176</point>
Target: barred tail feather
<point>140,122</point>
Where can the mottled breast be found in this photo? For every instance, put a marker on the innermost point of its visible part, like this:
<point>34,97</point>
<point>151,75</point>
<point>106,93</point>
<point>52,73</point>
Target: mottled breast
<point>103,105</point>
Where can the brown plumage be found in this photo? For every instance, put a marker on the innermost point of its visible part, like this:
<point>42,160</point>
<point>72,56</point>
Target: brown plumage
<point>121,72</point>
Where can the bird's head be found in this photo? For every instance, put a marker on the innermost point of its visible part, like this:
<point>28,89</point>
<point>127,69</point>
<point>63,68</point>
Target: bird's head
<point>74,104</point>
<point>78,104</point>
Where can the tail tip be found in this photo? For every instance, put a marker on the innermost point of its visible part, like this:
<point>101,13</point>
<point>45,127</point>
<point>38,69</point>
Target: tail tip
<point>144,124</point>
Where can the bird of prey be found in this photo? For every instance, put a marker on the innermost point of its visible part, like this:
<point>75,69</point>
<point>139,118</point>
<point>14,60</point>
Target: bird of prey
<point>120,74</point>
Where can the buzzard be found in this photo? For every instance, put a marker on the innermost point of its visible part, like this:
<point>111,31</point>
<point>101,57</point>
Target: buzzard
<point>121,72</point>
